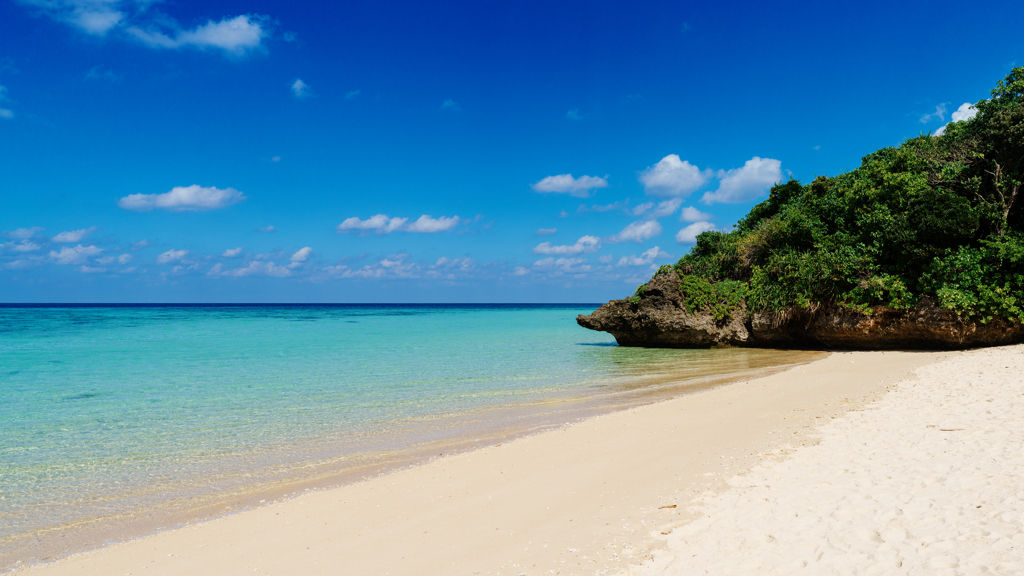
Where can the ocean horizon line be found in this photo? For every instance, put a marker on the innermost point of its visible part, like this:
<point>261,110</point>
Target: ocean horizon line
<point>289,304</point>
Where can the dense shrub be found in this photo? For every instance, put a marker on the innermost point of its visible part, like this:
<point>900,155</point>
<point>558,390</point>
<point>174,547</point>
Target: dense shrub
<point>936,217</point>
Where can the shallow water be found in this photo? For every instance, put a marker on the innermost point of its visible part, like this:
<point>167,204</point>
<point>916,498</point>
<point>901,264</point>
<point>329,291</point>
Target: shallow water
<point>118,412</point>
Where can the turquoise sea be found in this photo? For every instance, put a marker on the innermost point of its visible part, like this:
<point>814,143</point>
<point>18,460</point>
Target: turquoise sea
<point>120,420</point>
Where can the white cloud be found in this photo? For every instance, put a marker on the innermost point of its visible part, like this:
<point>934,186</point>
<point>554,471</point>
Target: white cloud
<point>300,88</point>
<point>566,265</point>
<point>673,177</point>
<point>940,113</point>
<point>602,208</point>
<point>124,258</point>
<point>72,236</point>
<point>236,35</point>
<point>747,183</point>
<point>140,244</point>
<point>302,254</point>
<point>23,246</point>
<point>644,259</point>
<point>520,271</point>
<point>76,255</point>
<point>383,224</point>
<point>24,233</point>
<point>546,231</point>
<point>181,198</point>
<point>688,235</point>
<point>566,184</point>
<point>171,256</point>
<point>391,267</point>
<point>666,208</point>
<point>7,114</point>
<point>463,264</point>
<point>574,114</point>
<point>605,259</point>
<point>232,253</point>
<point>966,111</point>
<point>265,229</point>
<point>451,106</point>
<point>95,17</point>
<point>352,94</point>
<point>426,224</point>
<point>255,268</point>
<point>638,231</point>
<point>641,208</point>
<point>691,214</point>
<point>584,244</point>
<point>90,270</point>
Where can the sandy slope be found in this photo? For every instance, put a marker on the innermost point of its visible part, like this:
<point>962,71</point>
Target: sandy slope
<point>593,497</point>
<point>929,480</point>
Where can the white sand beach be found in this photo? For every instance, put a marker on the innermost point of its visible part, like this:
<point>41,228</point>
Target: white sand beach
<point>921,470</point>
<point>928,480</point>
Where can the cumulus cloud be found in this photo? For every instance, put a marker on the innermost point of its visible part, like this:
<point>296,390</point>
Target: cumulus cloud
<point>23,246</point>
<point>584,244</point>
<point>24,233</point>
<point>673,177</point>
<point>6,113</point>
<point>966,111</point>
<point>664,208</point>
<point>236,36</point>
<point>447,268</point>
<point>72,236</point>
<point>255,268</point>
<point>122,259</point>
<point>644,259</point>
<point>546,231</point>
<point>300,89</point>
<point>140,244</point>
<point>76,255</point>
<point>90,269</point>
<point>232,253</point>
<point>688,235</point>
<point>566,265</point>
<point>747,183</point>
<point>426,224</point>
<point>383,224</point>
<point>395,266</point>
<point>638,231</point>
<point>302,254</point>
<point>171,256</point>
<point>566,184</point>
<point>182,198</point>
<point>691,214</point>
<point>520,271</point>
<point>265,229</point>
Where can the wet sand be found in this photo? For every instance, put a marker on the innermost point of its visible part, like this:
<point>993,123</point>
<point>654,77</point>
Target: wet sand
<point>595,496</point>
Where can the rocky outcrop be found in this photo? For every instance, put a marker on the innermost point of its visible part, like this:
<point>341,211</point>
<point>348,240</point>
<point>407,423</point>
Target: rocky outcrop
<point>660,320</point>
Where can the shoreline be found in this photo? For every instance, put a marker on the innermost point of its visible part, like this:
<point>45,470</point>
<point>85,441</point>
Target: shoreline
<point>609,480</point>
<point>405,448</point>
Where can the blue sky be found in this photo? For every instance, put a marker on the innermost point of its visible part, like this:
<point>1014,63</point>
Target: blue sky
<point>257,151</point>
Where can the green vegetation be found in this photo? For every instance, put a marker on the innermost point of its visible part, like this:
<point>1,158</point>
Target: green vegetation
<point>937,217</point>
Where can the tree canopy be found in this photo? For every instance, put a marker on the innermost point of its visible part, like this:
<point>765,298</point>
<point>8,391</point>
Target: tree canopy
<point>937,217</point>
